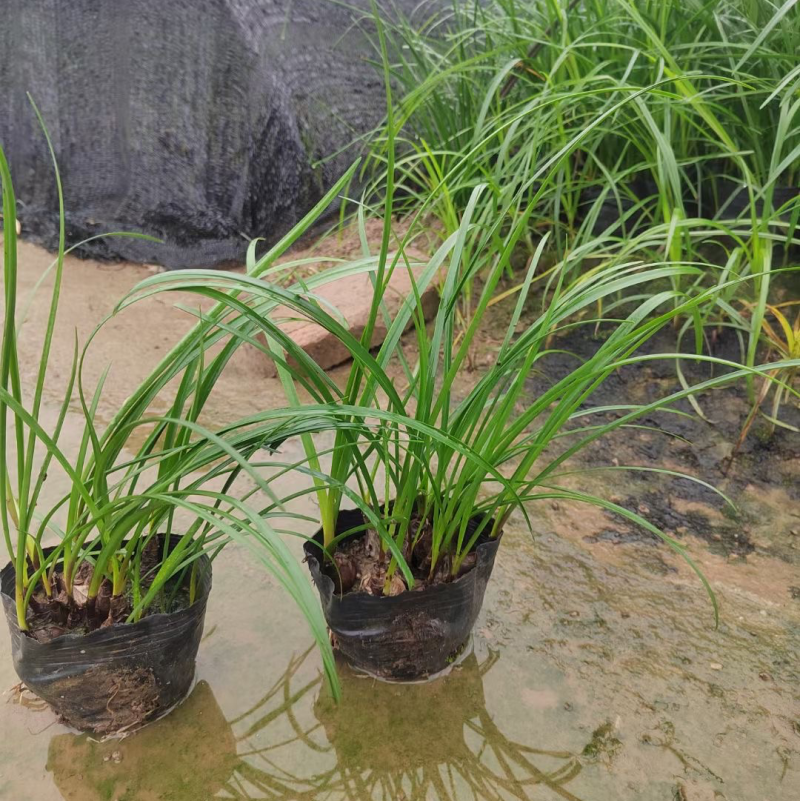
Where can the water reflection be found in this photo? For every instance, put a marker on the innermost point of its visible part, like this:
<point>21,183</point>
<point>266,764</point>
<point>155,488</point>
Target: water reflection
<point>190,754</point>
<point>383,743</point>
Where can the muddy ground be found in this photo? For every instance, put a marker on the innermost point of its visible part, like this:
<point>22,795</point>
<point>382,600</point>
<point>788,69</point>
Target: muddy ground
<point>597,673</point>
<point>760,476</point>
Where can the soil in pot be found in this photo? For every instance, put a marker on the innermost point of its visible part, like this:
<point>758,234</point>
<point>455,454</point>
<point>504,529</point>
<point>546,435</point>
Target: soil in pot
<point>97,672</point>
<point>51,616</point>
<point>392,632</point>
<point>361,564</point>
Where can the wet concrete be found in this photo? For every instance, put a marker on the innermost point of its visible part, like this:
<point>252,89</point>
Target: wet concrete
<point>596,673</point>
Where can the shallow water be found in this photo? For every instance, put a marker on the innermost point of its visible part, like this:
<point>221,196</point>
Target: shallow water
<point>585,682</point>
<point>596,674</point>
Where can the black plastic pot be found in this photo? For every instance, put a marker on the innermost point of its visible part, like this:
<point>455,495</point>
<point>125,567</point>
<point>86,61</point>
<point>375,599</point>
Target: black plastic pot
<point>115,678</point>
<point>409,636</point>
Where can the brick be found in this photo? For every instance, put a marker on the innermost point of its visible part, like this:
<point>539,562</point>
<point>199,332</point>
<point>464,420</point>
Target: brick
<point>352,297</point>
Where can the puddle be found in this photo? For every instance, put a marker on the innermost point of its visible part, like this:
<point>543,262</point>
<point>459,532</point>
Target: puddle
<point>596,673</point>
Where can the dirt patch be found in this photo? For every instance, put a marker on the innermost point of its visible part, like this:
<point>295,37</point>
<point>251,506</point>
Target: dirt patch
<point>693,443</point>
<point>604,745</point>
<point>677,517</point>
<point>761,481</point>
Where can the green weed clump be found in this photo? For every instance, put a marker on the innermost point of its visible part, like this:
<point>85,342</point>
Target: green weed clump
<point>643,130</point>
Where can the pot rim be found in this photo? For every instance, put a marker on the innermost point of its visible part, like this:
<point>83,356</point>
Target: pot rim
<point>104,633</point>
<point>312,549</point>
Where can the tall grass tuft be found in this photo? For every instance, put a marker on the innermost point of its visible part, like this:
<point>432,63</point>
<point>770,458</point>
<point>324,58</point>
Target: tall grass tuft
<point>143,481</point>
<point>425,456</point>
<point>685,120</point>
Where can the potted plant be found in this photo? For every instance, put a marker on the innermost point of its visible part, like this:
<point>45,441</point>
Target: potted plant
<point>435,470</point>
<point>106,589</point>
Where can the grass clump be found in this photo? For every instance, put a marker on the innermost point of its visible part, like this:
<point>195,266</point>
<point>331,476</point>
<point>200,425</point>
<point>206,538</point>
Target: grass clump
<point>431,465</point>
<point>645,130</point>
<point>149,494</point>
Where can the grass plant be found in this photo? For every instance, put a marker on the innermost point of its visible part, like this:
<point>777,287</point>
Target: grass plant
<point>426,455</point>
<point>687,114</point>
<point>125,499</point>
<point>430,459</point>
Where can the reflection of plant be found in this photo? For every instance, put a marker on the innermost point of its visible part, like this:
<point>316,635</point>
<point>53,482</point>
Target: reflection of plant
<point>258,767</point>
<point>296,744</point>
<point>444,744</point>
<point>189,754</point>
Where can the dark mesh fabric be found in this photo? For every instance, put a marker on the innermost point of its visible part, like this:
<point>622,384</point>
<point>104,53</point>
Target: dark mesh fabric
<point>196,121</point>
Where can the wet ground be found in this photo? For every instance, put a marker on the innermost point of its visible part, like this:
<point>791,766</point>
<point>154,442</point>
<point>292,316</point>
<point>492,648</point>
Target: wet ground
<point>596,672</point>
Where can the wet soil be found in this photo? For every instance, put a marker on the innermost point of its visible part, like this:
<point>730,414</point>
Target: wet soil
<point>763,467</point>
<point>597,673</point>
<point>73,613</point>
<point>360,564</point>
